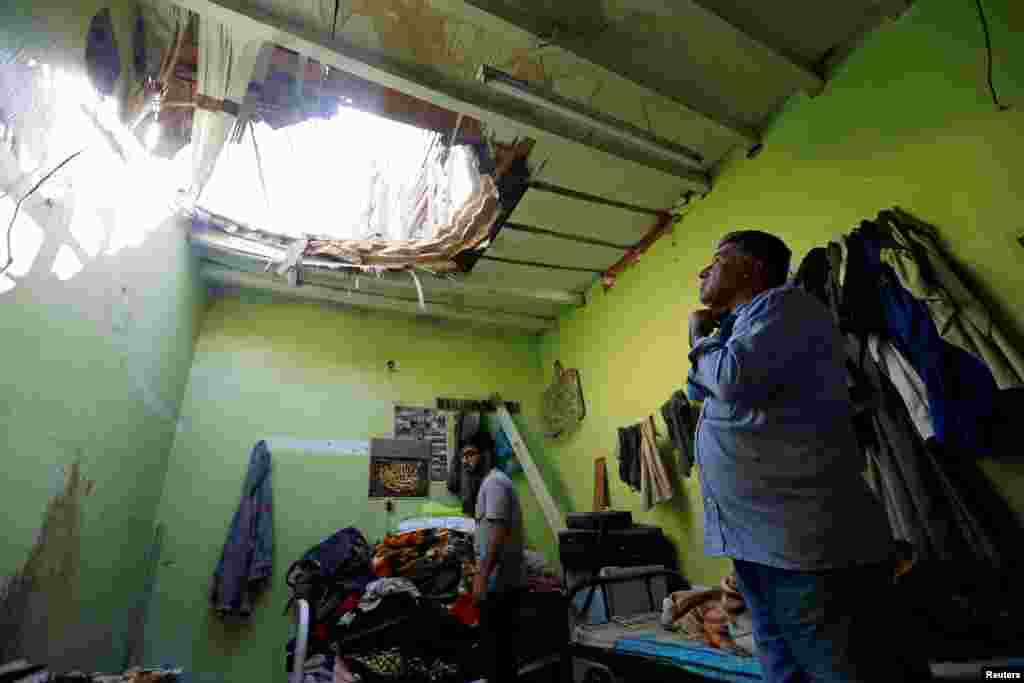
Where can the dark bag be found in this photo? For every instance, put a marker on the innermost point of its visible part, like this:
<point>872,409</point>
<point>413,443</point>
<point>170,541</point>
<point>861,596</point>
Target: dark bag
<point>329,571</point>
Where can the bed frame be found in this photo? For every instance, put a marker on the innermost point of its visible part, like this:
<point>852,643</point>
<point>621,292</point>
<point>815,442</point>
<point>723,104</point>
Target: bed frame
<point>620,666</point>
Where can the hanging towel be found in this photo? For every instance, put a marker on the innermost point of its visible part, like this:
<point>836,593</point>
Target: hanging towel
<point>681,426</point>
<point>655,484</point>
<point>246,562</point>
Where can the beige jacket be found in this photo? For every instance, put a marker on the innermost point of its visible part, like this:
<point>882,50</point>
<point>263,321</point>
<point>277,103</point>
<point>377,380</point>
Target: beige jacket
<point>961,318</point>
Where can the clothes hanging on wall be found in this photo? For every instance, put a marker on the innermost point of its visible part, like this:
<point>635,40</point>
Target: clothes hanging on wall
<point>246,561</point>
<point>909,384</point>
<point>469,486</point>
<point>467,426</point>
<point>961,389</point>
<point>861,309</point>
<point>961,317</point>
<point>629,456</point>
<point>679,419</point>
<point>938,501</point>
<point>655,484</point>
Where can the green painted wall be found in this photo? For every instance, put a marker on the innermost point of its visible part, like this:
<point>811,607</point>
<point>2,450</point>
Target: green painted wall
<point>908,122</point>
<point>92,371</point>
<point>268,368</point>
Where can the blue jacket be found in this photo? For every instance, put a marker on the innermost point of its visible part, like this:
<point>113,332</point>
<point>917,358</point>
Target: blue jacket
<point>246,562</point>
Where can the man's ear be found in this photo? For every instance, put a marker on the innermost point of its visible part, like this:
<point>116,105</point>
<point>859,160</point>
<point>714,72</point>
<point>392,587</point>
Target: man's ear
<point>757,269</point>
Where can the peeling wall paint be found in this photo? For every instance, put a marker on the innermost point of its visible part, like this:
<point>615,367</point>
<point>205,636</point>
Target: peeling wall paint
<point>39,602</point>
<point>98,316</point>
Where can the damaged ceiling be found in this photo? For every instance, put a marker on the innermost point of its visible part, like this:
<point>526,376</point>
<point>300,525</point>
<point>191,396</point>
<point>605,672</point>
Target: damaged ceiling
<point>704,75</point>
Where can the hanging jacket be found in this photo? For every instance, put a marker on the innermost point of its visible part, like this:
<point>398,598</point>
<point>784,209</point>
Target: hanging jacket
<point>629,456</point>
<point>246,561</point>
<point>861,311</point>
<point>961,389</point>
<point>681,426</point>
<point>961,318</point>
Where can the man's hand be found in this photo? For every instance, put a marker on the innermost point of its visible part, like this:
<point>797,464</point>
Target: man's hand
<point>479,588</point>
<point>702,323</point>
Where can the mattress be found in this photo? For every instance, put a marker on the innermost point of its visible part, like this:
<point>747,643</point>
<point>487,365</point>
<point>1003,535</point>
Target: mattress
<point>642,635</point>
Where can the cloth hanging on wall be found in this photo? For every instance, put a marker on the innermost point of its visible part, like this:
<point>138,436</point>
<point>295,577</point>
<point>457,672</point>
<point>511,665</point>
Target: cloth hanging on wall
<point>247,559</point>
<point>961,318</point>
<point>961,389</point>
<point>907,382</point>
<point>655,484</point>
<point>629,456</point>
<point>935,498</point>
<point>678,415</point>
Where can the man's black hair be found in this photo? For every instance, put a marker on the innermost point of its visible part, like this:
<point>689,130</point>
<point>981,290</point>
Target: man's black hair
<point>765,247</point>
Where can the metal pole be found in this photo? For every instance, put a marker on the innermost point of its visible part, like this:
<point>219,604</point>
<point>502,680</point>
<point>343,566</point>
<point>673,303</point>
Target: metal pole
<point>593,198</point>
<point>537,264</point>
<point>519,227</point>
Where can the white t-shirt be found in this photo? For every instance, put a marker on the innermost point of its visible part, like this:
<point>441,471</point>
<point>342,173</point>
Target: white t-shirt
<point>497,503</point>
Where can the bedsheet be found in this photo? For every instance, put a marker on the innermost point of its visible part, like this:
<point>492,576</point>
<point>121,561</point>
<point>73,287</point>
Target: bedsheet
<point>643,635</point>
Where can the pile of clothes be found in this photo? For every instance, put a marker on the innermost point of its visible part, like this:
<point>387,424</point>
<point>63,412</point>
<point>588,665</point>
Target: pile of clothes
<point>715,616</point>
<point>433,559</point>
<point>373,605</point>
<point>22,671</point>
<point>389,664</point>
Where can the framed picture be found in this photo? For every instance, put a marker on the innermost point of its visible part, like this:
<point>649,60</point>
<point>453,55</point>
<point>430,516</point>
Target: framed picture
<point>399,468</point>
<point>430,425</point>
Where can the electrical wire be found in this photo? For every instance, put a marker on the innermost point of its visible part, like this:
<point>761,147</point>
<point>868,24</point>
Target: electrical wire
<point>17,207</point>
<point>419,290</point>
<point>988,50</point>
<point>259,167</point>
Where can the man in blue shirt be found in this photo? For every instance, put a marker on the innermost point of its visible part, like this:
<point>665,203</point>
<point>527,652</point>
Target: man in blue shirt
<point>781,470</point>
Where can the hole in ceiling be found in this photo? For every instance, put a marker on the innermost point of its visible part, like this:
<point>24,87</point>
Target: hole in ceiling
<point>340,157</point>
<point>67,264</point>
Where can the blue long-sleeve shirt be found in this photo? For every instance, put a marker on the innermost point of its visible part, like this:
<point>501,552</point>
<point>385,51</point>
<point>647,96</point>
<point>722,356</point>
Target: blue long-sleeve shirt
<point>780,466</point>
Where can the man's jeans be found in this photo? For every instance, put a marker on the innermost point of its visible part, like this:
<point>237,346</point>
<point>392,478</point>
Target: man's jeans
<point>499,614</point>
<point>835,626</point>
